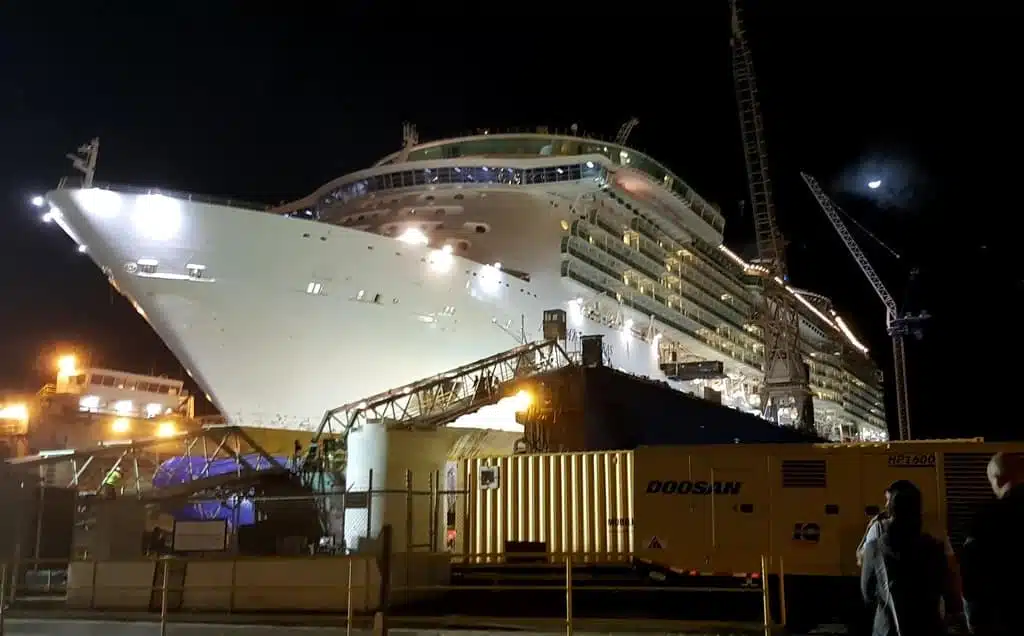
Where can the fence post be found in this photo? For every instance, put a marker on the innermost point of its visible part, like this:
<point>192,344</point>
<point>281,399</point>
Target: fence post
<point>435,504</point>
<point>3,596</point>
<point>348,601</point>
<point>782,593</point>
<point>408,512</point>
<point>568,595</point>
<point>386,560</point>
<point>165,579</point>
<point>765,597</point>
<point>369,505</point>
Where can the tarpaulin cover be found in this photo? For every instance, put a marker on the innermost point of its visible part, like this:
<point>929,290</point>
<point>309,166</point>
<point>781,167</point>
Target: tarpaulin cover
<point>181,470</point>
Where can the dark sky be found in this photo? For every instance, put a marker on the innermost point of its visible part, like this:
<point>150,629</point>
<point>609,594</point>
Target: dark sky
<point>261,105</point>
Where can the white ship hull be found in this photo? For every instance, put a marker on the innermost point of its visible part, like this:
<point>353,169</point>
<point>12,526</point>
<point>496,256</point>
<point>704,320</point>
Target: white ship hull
<point>269,353</point>
<point>280,319</point>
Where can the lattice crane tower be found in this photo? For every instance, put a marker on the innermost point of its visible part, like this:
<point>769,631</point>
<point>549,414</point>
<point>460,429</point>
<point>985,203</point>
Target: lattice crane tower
<point>785,373</point>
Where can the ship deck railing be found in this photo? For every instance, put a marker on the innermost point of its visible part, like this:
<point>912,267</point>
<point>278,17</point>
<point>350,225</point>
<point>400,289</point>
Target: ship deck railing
<point>69,183</point>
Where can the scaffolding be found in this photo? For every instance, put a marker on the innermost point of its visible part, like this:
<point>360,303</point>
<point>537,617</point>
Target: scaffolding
<point>139,461</point>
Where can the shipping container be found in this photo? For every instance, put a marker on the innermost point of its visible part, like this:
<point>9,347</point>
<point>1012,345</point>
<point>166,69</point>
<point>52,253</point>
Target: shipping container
<point>579,503</point>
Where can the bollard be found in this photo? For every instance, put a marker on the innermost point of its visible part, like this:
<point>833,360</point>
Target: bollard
<point>163,596</point>
<point>348,603</point>
<point>568,595</point>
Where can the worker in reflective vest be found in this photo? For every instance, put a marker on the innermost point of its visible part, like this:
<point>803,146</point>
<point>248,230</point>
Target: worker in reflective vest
<point>111,482</point>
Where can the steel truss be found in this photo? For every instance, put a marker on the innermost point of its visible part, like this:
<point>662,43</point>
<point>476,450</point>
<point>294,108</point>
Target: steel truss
<point>140,461</point>
<point>431,402</point>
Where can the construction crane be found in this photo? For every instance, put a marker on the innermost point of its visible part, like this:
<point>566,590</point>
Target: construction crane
<point>898,324</point>
<point>786,376</point>
<point>625,130</point>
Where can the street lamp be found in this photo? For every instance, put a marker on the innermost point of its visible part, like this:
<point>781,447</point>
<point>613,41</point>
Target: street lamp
<point>67,365</point>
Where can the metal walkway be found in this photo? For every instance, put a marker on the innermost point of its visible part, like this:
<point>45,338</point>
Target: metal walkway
<point>432,402</point>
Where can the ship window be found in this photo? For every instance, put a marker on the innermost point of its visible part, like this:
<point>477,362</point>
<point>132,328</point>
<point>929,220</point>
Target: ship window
<point>314,288</point>
<point>480,229</point>
<point>147,265</point>
<point>459,197</point>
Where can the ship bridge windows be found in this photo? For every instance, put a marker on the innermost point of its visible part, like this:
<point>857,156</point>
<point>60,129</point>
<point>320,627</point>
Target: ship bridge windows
<point>555,145</point>
<point>122,382</point>
<point>457,175</point>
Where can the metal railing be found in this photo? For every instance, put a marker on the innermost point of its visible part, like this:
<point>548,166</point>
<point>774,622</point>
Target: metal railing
<point>77,182</point>
<point>165,597</point>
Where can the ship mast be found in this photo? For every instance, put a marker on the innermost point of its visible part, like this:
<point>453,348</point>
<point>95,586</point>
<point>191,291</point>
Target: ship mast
<point>785,373</point>
<point>85,160</point>
<point>410,138</point>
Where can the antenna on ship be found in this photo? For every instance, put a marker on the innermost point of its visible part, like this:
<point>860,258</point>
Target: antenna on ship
<point>410,138</point>
<point>627,128</point>
<point>85,160</point>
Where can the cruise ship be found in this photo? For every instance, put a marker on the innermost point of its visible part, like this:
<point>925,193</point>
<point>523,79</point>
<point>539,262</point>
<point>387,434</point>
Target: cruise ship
<point>441,254</point>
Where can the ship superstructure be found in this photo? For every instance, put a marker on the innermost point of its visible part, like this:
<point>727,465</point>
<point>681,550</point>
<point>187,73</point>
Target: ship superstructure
<point>444,253</point>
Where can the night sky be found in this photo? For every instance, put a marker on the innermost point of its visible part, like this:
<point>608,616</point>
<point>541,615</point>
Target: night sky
<point>267,105</point>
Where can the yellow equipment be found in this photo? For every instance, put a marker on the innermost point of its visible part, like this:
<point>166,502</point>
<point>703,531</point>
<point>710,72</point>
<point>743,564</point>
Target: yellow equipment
<point>717,509</point>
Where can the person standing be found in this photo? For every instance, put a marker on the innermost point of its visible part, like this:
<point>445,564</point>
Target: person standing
<point>993,554</point>
<point>879,521</point>
<point>905,574</point>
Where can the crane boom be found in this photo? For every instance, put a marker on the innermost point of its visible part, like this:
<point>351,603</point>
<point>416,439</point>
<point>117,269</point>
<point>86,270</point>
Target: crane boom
<point>786,375</point>
<point>770,245</point>
<point>832,212</point>
<point>897,325</point>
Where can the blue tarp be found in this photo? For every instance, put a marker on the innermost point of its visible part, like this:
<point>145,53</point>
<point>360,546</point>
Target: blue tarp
<point>181,470</point>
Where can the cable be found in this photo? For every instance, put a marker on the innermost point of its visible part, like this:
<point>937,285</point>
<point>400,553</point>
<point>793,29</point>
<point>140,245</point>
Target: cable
<point>867,231</point>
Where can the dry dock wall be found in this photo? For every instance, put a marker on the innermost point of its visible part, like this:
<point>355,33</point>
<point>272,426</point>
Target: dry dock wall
<point>305,584</point>
<point>598,408</point>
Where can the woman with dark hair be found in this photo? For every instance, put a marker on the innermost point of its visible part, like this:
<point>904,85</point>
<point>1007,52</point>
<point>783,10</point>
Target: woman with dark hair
<point>905,575</point>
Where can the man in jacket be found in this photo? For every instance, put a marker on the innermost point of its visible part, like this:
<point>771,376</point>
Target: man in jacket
<point>993,555</point>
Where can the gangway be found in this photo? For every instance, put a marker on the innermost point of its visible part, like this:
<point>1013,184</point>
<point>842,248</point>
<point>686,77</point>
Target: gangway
<point>200,448</point>
<point>428,403</point>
